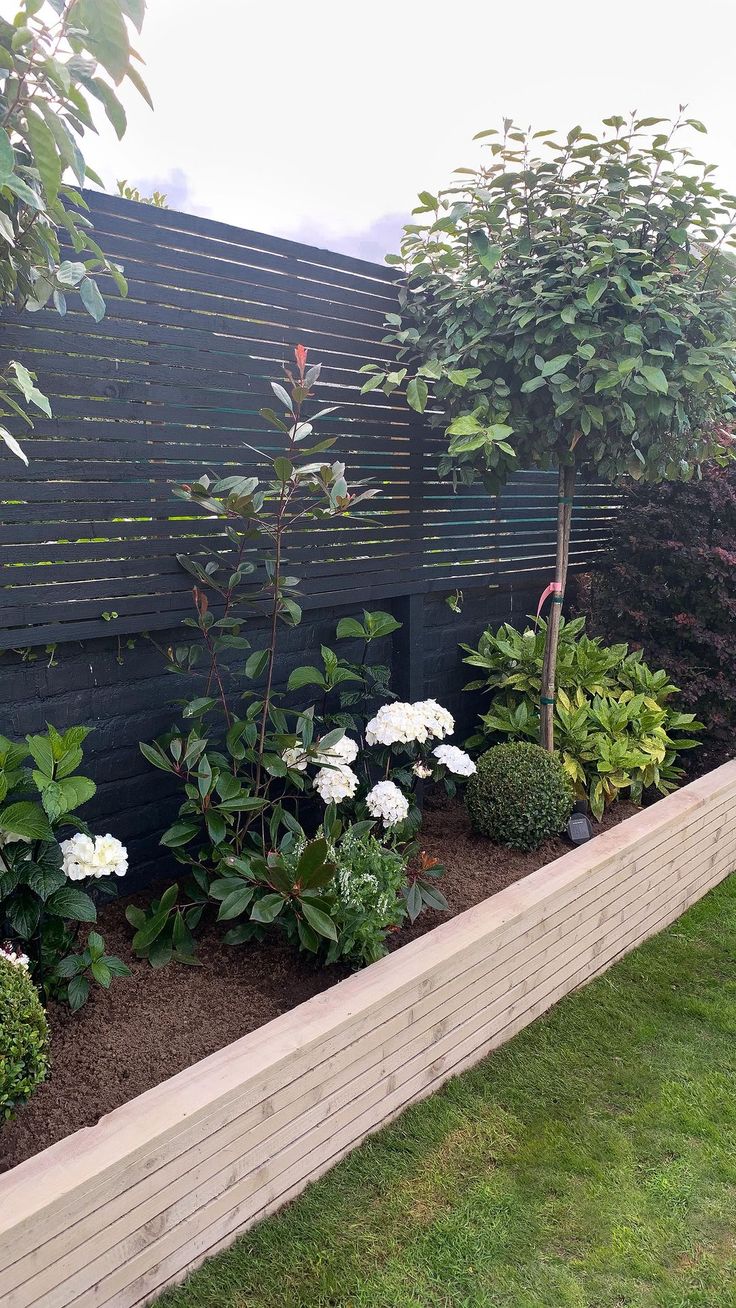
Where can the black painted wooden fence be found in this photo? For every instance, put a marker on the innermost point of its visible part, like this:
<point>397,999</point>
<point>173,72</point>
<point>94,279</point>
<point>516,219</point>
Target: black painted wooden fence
<point>171,382</point>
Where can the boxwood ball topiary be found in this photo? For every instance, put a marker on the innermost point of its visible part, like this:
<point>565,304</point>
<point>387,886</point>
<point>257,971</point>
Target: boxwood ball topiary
<point>24,1037</point>
<point>520,795</point>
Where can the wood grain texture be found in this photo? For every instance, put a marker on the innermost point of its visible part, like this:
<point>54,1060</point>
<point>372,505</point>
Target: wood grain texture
<point>113,1214</point>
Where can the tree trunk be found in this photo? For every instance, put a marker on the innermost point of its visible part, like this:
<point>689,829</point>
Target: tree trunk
<point>566,490</point>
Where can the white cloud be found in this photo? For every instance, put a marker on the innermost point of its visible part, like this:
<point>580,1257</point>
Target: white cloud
<point>328,119</point>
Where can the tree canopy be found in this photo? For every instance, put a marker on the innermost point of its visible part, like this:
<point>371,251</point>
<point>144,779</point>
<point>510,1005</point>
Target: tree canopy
<point>572,298</point>
<point>60,60</point>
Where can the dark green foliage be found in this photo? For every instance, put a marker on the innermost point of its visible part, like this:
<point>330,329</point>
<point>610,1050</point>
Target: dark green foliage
<point>670,586</point>
<point>519,796</point>
<point>24,1037</point>
<point>61,65</point>
<point>572,300</point>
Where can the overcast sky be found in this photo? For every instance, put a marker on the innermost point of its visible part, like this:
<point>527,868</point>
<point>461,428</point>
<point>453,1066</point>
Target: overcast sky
<point>322,121</point>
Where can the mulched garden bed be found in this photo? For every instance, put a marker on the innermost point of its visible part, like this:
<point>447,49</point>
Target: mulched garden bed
<point>155,1023</point>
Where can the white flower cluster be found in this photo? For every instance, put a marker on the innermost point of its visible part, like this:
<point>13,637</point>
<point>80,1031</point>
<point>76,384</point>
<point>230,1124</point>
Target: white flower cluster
<point>438,721</point>
<point>404,724</point>
<point>343,752</point>
<point>385,801</point>
<point>455,760</point>
<point>12,956</point>
<point>334,784</point>
<point>93,856</point>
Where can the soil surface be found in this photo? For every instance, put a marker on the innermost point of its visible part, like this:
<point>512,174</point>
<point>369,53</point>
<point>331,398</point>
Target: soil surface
<point>153,1024</point>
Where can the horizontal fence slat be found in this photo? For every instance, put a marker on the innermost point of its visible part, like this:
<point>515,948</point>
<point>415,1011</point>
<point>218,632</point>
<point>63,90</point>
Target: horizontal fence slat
<point>171,383</point>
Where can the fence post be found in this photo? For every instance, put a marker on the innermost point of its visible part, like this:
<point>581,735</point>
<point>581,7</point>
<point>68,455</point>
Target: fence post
<point>408,647</point>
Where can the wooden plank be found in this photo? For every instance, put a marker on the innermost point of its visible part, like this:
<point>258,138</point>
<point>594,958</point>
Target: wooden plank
<point>230,1209</point>
<point>556,884</point>
<point>477,1006</point>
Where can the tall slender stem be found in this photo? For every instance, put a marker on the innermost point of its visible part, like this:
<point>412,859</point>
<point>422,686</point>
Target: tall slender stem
<point>566,490</point>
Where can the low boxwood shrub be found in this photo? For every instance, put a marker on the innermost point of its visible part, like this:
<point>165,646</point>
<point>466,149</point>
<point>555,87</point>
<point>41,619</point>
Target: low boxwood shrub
<point>519,796</point>
<point>24,1036</point>
<point>616,728</point>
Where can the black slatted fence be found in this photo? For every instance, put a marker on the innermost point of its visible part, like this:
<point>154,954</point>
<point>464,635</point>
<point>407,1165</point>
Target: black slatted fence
<point>170,384</point>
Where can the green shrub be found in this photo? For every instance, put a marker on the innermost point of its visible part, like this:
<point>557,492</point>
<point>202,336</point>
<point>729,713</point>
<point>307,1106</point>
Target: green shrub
<point>520,795</point>
<point>615,727</point>
<point>24,1037</point>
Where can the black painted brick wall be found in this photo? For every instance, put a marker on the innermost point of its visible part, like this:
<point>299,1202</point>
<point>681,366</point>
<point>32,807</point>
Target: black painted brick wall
<point>127,696</point>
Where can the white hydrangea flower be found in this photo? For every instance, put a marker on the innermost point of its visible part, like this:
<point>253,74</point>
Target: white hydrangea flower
<point>334,784</point>
<point>111,857</point>
<point>438,721</point>
<point>344,750</point>
<point>98,856</point>
<point>396,724</point>
<point>385,801</point>
<point>421,770</point>
<point>455,760</point>
<point>12,956</point>
<point>295,757</point>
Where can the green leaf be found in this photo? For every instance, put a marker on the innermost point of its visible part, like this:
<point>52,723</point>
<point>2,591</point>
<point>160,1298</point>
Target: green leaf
<point>551,366</point>
<point>179,834</point>
<point>26,819</point>
<point>533,384</point>
<point>595,289</point>
<point>416,394</point>
<point>312,858</point>
<point>350,628</point>
<point>91,299</point>
<point>78,992</point>
<point>216,826</point>
<point>101,973</point>
<point>45,154</point>
<point>7,157</point>
<point>235,903</point>
<point>319,921</point>
<point>44,879</point>
<point>268,908</point>
<point>108,34</point>
<point>465,425</point>
<point>304,676</point>
<point>149,932</point>
<point>655,379</point>
<point>256,663</point>
<point>488,254</point>
<point>95,944</point>
<point>69,966</point>
<point>41,753</point>
<point>23,913</point>
<point>72,904</point>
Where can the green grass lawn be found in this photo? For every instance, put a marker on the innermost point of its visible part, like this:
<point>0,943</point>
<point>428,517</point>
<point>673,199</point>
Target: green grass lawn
<point>591,1163</point>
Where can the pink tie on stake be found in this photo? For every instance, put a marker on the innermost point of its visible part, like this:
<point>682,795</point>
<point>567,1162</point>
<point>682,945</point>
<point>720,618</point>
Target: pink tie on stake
<point>554,588</point>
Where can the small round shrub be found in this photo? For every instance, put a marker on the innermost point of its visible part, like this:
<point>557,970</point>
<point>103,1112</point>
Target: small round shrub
<point>519,796</point>
<point>24,1037</point>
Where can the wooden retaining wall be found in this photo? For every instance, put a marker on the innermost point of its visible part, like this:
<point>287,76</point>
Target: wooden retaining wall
<point>110,1216</point>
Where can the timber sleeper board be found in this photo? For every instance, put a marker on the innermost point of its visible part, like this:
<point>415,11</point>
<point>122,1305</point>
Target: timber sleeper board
<point>478,1006</point>
<point>182,1169</point>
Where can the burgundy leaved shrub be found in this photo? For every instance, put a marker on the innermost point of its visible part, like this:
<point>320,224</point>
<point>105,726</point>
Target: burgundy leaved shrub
<point>671,589</point>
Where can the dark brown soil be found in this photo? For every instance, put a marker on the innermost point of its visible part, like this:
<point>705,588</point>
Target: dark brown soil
<point>155,1023</point>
